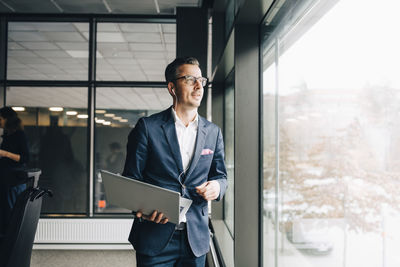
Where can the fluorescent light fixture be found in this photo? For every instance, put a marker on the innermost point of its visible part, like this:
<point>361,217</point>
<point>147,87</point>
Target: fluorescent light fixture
<point>71,113</point>
<point>56,109</point>
<point>107,123</point>
<point>18,108</point>
<point>123,120</point>
<point>100,121</point>
<point>117,118</point>
<point>100,111</point>
<point>83,116</point>
<point>110,115</point>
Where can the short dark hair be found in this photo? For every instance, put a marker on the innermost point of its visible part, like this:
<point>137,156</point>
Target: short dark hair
<point>171,72</point>
<point>13,123</point>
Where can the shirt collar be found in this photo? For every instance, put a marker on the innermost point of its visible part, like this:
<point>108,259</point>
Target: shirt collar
<point>178,120</point>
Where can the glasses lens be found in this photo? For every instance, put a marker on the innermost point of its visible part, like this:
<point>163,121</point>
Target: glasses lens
<point>203,81</point>
<point>190,80</point>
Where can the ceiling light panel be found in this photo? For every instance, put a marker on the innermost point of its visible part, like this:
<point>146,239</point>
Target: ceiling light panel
<point>57,44</point>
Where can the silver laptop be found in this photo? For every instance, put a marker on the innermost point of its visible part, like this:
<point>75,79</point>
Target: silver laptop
<point>136,195</point>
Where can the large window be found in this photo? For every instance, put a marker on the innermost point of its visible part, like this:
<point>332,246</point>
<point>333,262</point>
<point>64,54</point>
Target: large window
<point>331,94</point>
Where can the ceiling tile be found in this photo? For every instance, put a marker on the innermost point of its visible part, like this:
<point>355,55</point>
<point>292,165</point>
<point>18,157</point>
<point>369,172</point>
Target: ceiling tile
<point>52,54</point>
<point>52,26</point>
<point>89,6</point>
<point>27,36</point>
<point>64,36</point>
<point>73,45</point>
<point>33,6</point>
<point>113,46</point>
<point>108,27</point>
<point>139,27</point>
<point>21,54</point>
<point>122,61</point>
<point>169,28</point>
<point>14,46</point>
<point>31,60</point>
<point>39,45</point>
<point>146,47</point>
<point>143,37</point>
<point>110,37</point>
<point>170,38</point>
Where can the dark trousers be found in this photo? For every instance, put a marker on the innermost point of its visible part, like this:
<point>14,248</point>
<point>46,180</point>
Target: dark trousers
<point>176,254</point>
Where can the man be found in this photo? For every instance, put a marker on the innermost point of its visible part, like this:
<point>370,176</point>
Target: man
<point>178,150</point>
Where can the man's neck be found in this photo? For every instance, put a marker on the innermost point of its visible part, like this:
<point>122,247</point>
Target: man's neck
<point>186,115</point>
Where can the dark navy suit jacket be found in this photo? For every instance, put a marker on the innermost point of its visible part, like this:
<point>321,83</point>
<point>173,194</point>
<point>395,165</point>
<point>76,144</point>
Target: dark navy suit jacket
<point>153,156</point>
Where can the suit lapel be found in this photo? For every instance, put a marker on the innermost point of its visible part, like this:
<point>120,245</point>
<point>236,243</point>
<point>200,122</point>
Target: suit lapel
<point>172,139</point>
<point>200,140</point>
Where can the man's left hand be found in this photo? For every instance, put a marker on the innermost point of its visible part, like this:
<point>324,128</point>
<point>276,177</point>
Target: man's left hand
<point>209,190</point>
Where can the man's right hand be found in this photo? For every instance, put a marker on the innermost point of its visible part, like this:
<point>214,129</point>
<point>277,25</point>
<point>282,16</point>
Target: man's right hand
<point>156,217</point>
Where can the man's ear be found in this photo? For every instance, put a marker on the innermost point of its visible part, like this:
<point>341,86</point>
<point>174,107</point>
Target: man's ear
<point>171,88</point>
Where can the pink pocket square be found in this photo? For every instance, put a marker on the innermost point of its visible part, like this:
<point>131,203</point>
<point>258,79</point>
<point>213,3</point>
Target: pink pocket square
<point>206,151</point>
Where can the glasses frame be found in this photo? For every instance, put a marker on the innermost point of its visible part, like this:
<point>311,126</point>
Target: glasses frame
<point>203,80</point>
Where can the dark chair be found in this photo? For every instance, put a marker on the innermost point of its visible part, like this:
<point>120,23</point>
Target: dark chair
<point>16,245</point>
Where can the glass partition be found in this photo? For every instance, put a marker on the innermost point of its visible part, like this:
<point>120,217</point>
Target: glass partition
<point>117,111</point>
<point>134,51</point>
<point>57,141</point>
<point>229,136</point>
<point>47,51</point>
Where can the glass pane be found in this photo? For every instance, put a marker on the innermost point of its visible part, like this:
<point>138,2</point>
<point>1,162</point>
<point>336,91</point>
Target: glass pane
<point>229,17</point>
<point>229,136</point>
<point>339,93</point>
<point>134,51</point>
<point>47,51</point>
<point>270,191</point>
<point>57,141</point>
<point>117,111</point>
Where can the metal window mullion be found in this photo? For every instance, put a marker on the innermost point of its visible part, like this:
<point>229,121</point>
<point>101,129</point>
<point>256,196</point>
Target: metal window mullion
<point>91,111</point>
<point>3,57</point>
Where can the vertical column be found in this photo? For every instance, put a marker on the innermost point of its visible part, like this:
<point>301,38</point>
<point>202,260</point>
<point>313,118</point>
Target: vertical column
<point>247,220</point>
<point>192,40</point>
<point>3,60</point>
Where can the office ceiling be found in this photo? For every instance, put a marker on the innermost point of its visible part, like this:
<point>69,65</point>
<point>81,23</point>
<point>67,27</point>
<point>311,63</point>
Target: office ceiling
<point>150,7</point>
<point>59,51</point>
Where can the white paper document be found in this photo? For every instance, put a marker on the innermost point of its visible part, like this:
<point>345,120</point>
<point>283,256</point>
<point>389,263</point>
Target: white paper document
<point>184,205</point>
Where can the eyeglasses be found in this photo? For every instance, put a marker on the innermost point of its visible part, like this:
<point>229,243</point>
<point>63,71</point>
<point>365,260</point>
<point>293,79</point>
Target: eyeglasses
<point>191,80</point>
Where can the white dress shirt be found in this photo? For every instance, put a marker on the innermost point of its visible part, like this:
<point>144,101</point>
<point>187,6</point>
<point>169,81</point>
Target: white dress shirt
<point>186,138</point>
<point>187,141</point>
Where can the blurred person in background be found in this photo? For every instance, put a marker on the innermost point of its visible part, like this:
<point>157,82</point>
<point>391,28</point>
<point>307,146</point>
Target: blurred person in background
<point>14,154</point>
